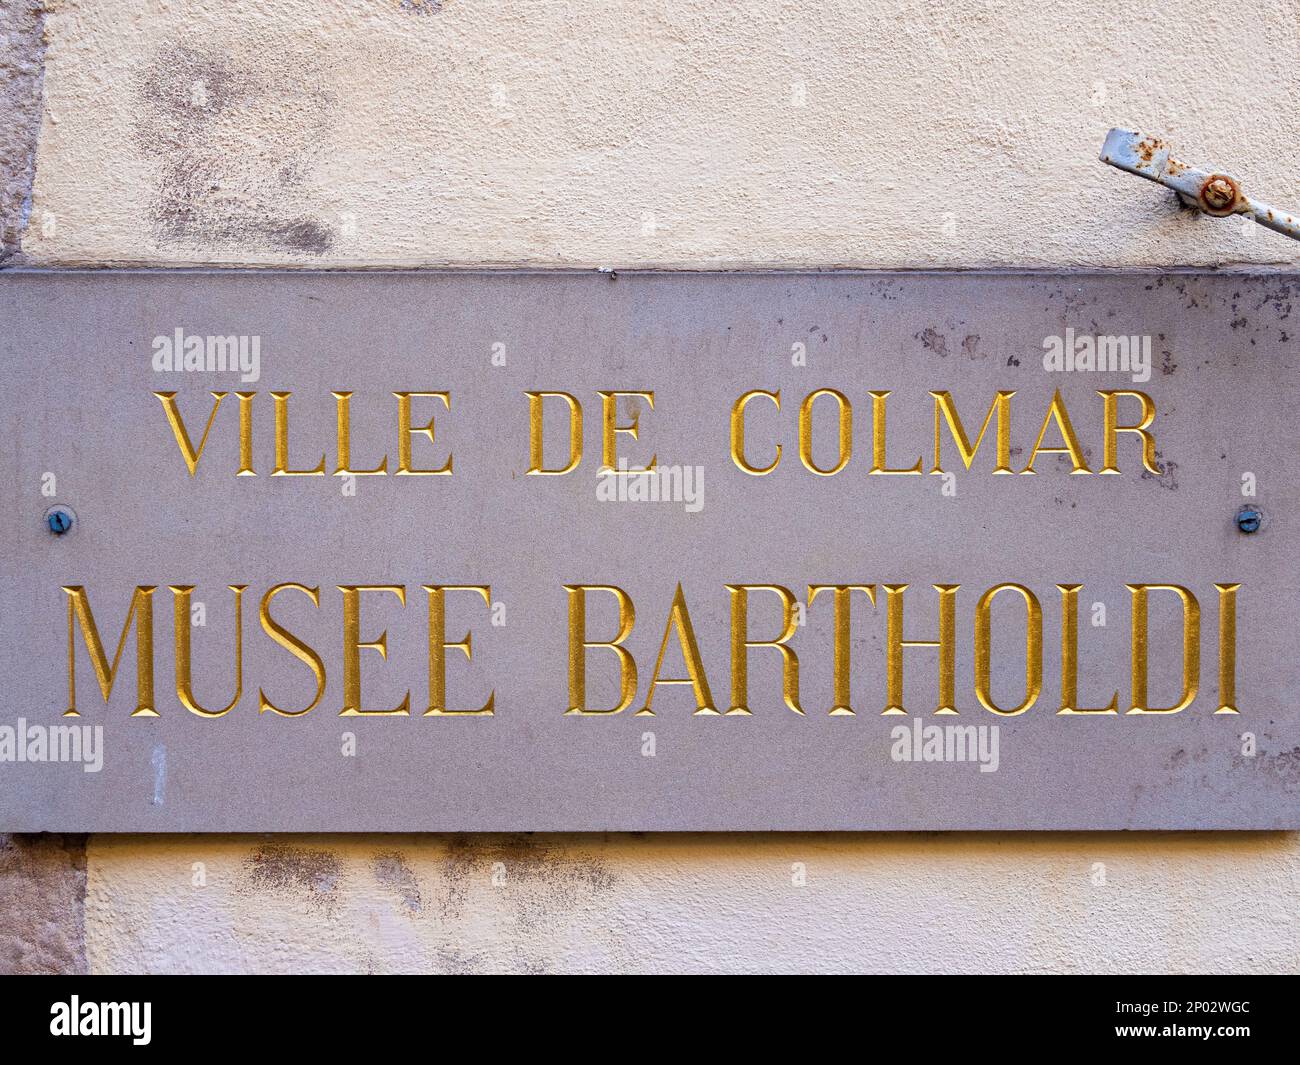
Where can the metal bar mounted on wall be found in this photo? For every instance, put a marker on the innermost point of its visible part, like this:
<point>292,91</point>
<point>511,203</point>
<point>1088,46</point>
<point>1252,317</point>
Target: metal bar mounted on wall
<point>1211,191</point>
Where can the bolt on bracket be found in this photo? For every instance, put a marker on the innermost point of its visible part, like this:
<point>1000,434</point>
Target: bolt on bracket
<point>1211,191</point>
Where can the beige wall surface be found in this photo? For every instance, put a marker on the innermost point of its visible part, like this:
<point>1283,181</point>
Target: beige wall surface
<point>688,132</point>
<point>699,134</point>
<point>740,903</point>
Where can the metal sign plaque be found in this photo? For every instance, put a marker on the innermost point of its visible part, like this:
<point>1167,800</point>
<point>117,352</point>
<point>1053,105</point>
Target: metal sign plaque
<point>550,551</point>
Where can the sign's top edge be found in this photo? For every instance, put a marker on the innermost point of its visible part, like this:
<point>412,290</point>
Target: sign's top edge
<point>1253,271</point>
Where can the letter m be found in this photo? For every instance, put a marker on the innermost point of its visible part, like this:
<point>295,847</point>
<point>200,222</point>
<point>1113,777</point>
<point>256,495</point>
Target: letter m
<point>961,744</point>
<point>79,615</point>
<point>222,353</point>
<point>1112,353</point>
<point>944,409</point>
<point>65,743</point>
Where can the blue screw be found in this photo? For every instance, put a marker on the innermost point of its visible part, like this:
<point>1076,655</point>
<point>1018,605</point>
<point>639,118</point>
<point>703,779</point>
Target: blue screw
<point>1249,519</point>
<point>59,520</point>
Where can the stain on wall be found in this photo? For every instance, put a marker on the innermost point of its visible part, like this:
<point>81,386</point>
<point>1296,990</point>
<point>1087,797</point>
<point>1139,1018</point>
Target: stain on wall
<point>916,902</point>
<point>22,66</point>
<point>308,876</point>
<point>42,904</point>
<point>235,131</point>
<point>688,133</point>
<point>374,903</point>
<point>547,876</point>
<point>393,871</point>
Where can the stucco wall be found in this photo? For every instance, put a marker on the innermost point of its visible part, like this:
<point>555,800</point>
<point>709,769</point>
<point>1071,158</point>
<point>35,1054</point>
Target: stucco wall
<point>691,132</point>
<point>857,132</point>
<point>901,903</point>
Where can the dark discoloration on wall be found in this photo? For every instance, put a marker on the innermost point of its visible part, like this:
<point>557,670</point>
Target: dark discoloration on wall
<point>934,341</point>
<point>312,874</point>
<point>1168,475</point>
<point>532,887</point>
<point>541,878</point>
<point>43,900</point>
<point>1282,765</point>
<point>220,187</point>
<point>22,68</point>
<point>392,871</point>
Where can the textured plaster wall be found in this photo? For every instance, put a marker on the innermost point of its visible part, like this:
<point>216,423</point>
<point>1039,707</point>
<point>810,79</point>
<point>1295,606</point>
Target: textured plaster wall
<point>22,57</point>
<point>982,903</point>
<point>695,132</point>
<point>42,893</point>
<point>856,132</point>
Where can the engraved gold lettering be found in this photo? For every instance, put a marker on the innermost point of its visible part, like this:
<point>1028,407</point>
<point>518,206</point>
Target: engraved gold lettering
<point>1227,648</point>
<point>578,645</point>
<point>1139,650</point>
<point>536,462</point>
<point>947,645</point>
<point>679,618</point>
<point>79,614</point>
<point>1000,408</point>
<point>189,452</point>
<point>1070,657</point>
<point>741,644</point>
<point>344,433</point>
<point>738,433</point>
<point>439,646</point>
<point>293,645</point>
<point>879,464</point>
<point>184,681</point>
<point>281,469</point>
<point>845,420</point>
<point>353,645</point>
<point>405,431</point>
<point>1111,429</point>
<point>1033,649</point>
<point>841,664</point>
<point>610,429</point>
<point>1058,413</point>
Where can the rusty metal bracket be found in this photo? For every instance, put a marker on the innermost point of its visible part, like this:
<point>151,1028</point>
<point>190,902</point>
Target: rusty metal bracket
<point>1211,191</point>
